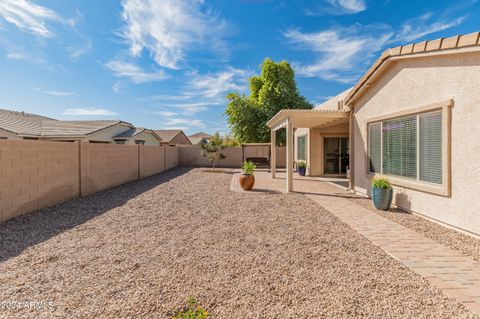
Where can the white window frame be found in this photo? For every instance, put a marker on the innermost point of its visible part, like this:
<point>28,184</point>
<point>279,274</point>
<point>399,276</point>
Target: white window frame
<point>444,188</point>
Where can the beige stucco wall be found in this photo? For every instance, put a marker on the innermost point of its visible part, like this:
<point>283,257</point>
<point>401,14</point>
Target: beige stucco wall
<point>418,82</point>
<point>180,139</point>
<point>106,134</point>
<point>149,138</point>
<point>36,174</point>
<point>8,135</point>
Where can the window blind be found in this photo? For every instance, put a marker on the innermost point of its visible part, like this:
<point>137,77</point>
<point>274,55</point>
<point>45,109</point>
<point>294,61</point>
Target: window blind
<point>301,148</point>
<point>400,147</point>
<point>375,147</point>
<point>431,147</point>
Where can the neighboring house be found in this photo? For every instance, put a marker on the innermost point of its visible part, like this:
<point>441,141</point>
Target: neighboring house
<point>21,125</point>
<point>138,135</point>
<point>173,137</point>
<point>199,138</point>
<point>413,117</point>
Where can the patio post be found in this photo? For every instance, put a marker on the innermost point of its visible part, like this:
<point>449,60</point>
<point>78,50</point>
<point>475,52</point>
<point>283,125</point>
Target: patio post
<point>273,152</point>
<point>289,162</point>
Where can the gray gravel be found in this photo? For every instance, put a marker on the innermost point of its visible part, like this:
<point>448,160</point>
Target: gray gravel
<point>139,250</point>
<point>461,242</point>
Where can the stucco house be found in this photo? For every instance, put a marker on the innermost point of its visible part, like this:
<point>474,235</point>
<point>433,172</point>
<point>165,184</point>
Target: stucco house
<point>173,137</point>
<point>199,138</point>
<point>413,117</point>
<point>21,125</point>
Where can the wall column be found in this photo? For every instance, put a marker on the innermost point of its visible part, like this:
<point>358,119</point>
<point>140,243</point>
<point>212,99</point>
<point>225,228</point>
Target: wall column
<point>273,152</point>
<point>289,163</point>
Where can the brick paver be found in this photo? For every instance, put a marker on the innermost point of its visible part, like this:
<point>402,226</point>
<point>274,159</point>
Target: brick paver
<point>457,275</point>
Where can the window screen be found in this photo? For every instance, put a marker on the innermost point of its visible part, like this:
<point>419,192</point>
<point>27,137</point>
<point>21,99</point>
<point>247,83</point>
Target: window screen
<point>431,147</point>
<point>400,147</point>
<point>375,147</point>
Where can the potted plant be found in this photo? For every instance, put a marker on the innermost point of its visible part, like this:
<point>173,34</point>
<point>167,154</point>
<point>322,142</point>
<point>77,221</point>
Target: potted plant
<point>382,193</point>
<point>302,167</point>
<point>247,180</point>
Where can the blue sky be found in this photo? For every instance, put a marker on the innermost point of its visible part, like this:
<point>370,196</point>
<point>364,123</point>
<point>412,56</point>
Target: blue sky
<point>169,63</point>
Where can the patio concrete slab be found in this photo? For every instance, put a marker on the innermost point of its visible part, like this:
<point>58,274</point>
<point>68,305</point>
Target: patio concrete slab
<point>457,275</point>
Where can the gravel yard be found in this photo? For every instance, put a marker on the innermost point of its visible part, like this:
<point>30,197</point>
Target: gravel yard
<point>141,249</point>
<point>463,243</point>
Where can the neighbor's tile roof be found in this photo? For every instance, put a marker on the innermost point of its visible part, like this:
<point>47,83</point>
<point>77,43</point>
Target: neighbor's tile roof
<point>168,135</point>
<point>456,42</point>
<point>21,123</point>
<point>200,134</point>
<point>75,128</point>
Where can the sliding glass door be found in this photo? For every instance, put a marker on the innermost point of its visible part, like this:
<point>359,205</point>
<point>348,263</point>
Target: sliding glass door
<point>336,155</point>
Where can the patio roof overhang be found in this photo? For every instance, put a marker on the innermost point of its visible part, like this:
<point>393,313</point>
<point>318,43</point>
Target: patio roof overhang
<point>307,118</point>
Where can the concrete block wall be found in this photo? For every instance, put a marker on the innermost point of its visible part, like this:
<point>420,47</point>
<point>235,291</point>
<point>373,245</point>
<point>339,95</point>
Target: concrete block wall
<point>35,174</point>
<point>152,160</point>
<point>106,165</point>
<point>192,156</point>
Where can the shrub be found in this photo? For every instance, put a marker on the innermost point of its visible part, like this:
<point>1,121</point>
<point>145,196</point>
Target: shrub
<point>301,164</point>
<point>248,167</point>
<point>381,182</point>
<point>191,311</point>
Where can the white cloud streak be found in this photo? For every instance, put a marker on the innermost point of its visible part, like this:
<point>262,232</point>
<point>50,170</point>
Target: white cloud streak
<point>134,72</point>
<point>30,17</point>
<point>88,112</point>
<point>215,85</point>
<point>167,29</point>
<point>55,92</point>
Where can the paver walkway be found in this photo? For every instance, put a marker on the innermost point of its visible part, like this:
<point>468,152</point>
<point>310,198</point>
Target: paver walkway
<point>457,275</point>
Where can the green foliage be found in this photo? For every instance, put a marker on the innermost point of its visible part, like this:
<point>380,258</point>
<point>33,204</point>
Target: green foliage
<point>301,164</point>
<point>191,311</point>
<point>248,167</point>
<point>213,149</point>
<point>273,90</point>
<point>381,182</point>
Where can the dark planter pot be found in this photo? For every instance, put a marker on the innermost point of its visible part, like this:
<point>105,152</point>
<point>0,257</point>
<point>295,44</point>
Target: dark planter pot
<point>247,181</point>
<point>302,171</point>
<point>382,198</point>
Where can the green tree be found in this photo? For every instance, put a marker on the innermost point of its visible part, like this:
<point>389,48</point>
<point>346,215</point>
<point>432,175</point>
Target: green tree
<point>213,149</point>
<point>273,90</point>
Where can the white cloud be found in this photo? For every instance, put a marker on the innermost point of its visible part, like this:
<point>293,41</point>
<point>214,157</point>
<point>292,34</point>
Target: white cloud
<point>341,54</point>
<point>186,122</point>
<point>215,85</point>
<point>190,108</point>
<point>338,52</point>
<point>30,17</point>
<point>422,26</point>
<point>55,92</point>
<point>88,111</point>
<point>75,52</point>
<point>336,7</point>
<point>167,29</point>
<point>134,72</point>
<point>166,113</point>
<point>17,55</point>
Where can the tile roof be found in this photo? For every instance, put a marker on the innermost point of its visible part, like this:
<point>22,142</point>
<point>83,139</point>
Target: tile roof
<point>168,135</point>
<point>21,123</point>
<point>135,131</point>
<point>200,134</point>
<point>75,128</point>
<point>456,42</point>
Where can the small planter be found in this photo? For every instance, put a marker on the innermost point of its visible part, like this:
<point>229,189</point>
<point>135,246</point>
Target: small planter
<point>247,181</point>
<point>382,197</point>
<point>302,171</point>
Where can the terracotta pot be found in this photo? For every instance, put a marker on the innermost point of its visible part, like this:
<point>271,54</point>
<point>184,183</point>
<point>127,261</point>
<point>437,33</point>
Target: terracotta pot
<point>247,181</point>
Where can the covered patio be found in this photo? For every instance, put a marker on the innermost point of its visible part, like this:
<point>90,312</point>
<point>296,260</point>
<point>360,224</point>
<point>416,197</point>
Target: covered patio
<point>292,119</point>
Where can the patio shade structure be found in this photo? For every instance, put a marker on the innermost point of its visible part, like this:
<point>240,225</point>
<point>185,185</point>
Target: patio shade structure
<point>299,118</point>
